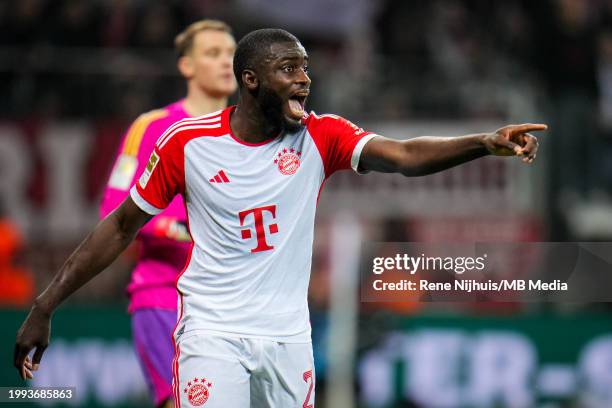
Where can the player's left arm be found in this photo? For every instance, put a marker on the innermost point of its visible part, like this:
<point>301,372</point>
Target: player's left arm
<point>102,246</point>
<point>426,155</point>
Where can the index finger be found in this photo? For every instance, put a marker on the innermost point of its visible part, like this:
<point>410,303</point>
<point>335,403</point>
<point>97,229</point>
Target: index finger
<point>527,127</point>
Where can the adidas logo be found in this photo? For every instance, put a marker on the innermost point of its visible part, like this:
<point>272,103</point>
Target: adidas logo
<point>220,177</point>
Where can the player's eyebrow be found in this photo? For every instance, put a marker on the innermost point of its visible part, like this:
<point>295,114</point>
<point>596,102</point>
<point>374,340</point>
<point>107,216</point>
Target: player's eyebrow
<point>292,58</point>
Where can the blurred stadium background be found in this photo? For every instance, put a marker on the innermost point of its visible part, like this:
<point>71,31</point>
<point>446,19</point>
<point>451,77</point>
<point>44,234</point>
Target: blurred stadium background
<point>73,74</point>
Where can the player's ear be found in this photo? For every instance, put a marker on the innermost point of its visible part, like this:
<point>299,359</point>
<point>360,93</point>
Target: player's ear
<point>250,80</point>
<point>185,66</point>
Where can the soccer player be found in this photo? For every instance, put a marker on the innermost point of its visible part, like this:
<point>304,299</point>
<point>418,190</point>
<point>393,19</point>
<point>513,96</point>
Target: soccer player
<point>251,175</point>
<point>205,50</point>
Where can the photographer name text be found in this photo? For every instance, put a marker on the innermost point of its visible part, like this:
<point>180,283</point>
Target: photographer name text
<point>471,285</point>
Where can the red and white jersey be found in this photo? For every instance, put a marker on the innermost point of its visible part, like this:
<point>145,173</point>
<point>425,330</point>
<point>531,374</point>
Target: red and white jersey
<point>251,211</point>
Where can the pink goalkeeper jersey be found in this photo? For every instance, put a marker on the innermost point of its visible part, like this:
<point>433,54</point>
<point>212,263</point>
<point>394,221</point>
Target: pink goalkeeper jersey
<point>153,280</point>
<point>251,214</point>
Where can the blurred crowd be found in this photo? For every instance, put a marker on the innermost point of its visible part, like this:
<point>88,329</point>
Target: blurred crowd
<point>397,59</point>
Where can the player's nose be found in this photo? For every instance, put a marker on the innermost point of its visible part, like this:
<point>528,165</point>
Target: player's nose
<point>228,59</point>
<point>302,78</point>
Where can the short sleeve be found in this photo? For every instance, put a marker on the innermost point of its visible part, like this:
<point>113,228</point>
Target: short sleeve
<point>339,141</point>
<point>162,179</point>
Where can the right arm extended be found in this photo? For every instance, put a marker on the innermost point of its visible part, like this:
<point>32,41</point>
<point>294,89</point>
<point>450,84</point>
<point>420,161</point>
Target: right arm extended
<point>101,247</point>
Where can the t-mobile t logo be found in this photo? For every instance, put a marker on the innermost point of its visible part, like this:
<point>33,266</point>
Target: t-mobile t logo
<point>260,229</point>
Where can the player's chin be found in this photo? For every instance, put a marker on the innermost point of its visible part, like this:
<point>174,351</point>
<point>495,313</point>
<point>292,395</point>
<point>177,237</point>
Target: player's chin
<point>218,85</point>
<point>229,88</point>
<point>229,84</point>
<point>224,89</point>
<point>292,122</point>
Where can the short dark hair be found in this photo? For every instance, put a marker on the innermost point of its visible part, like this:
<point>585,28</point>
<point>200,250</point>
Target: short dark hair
<point>253,47</point>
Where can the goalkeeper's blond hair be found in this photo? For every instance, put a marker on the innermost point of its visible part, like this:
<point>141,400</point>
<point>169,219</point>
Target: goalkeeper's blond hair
<point>183,42</point>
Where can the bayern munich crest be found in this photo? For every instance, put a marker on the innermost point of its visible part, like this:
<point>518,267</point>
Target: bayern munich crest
<point>288,161</point>
<point>197,391</point>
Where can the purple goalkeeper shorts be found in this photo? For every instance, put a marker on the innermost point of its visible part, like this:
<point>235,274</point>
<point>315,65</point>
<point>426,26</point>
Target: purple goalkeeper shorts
<point>152,332</point>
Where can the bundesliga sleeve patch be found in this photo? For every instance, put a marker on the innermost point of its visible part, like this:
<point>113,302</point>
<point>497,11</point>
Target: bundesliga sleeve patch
<point>123,173</point>
<point>153,160</point>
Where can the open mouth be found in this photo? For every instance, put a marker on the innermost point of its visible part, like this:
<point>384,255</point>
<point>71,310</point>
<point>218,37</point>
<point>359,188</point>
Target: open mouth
<point>296,104</point>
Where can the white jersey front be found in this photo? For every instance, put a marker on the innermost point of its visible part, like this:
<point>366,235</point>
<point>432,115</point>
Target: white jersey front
<point>251,210</point>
